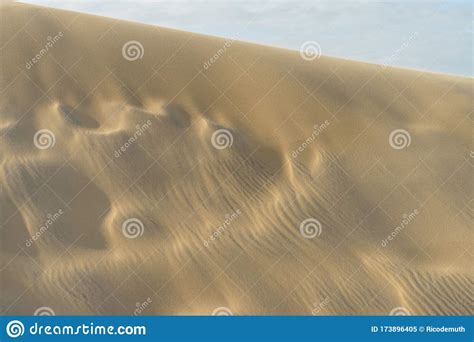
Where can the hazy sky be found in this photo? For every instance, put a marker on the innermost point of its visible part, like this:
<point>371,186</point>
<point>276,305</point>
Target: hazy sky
<point>430,35</point>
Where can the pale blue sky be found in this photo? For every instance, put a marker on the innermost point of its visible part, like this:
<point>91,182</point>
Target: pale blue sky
<point>430,35</point>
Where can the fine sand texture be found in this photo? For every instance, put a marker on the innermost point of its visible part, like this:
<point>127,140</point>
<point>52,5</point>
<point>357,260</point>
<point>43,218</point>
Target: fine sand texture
<point>151,171</point>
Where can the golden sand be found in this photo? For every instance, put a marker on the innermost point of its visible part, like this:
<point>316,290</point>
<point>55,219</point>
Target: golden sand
<point>152,171</point>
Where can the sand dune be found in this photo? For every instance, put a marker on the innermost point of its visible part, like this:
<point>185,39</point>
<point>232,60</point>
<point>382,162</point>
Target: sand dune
<point>152,171</point>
